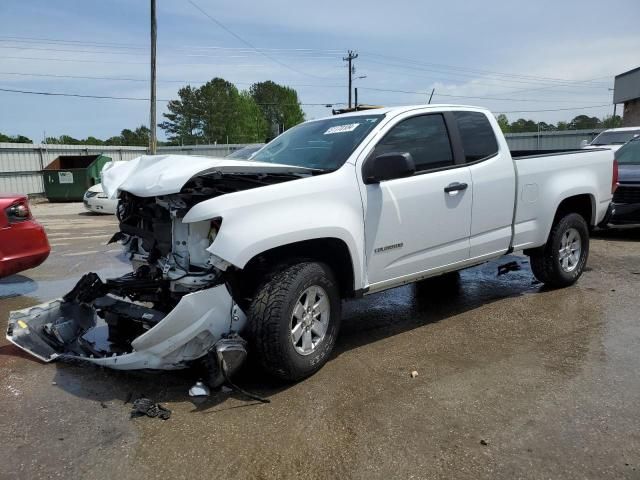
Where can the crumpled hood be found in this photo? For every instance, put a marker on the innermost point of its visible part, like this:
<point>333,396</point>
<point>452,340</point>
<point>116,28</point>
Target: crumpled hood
<point>153,175</point>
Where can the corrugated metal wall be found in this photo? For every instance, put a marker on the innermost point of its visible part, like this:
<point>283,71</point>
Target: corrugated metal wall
<point>206,150</point>
<point>566,139</point>
<point>21,164</point>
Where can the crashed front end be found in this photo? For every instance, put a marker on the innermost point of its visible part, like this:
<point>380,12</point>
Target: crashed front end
<point>173,309</point>
<point>94,324</point>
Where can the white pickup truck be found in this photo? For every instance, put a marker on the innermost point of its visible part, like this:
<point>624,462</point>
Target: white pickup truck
<point>265,250</point>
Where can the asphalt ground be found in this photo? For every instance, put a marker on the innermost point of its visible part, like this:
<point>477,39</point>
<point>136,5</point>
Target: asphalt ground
<point>513,381</point>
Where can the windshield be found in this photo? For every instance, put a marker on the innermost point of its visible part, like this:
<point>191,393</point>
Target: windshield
<point>629,154</point>
<point>615,138</point>
<point>322,144</point>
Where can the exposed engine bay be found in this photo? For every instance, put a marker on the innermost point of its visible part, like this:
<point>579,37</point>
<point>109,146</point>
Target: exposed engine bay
<point>163,248</point>
<point>175,307</point>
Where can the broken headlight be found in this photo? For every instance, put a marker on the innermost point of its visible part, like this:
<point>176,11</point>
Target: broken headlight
<point>216,223</point>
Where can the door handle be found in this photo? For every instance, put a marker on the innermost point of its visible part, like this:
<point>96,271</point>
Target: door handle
<point>455,187</point>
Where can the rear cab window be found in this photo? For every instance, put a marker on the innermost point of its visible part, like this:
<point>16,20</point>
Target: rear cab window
<point>477,136</point>
<point>425,137</point>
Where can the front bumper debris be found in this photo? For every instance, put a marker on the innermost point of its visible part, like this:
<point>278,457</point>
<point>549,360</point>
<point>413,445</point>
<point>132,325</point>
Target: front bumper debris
<point>91,330</point>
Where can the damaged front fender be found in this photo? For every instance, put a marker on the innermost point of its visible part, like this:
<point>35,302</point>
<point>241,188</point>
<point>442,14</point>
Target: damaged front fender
<point>70,329</point>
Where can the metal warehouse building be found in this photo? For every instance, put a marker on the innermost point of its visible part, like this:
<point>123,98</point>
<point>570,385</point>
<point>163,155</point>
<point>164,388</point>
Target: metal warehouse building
<point>626,90</point>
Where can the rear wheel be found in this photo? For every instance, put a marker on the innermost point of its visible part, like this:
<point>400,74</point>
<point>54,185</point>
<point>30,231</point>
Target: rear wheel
<point>561,261</point>
<point>294,320</point>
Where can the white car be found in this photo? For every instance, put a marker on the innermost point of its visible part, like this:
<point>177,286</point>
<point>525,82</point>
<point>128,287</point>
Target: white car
<point>265,250</point>
<point>613,138</point>
<point>95,200</point>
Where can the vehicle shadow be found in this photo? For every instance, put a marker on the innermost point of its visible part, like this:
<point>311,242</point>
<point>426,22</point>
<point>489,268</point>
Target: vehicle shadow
<point>621,234</point>
<point>365,321</point>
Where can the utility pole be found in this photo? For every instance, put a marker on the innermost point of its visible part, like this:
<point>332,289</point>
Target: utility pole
<point>356,99</point>
<point>152,107</point>
<point>349,58</point>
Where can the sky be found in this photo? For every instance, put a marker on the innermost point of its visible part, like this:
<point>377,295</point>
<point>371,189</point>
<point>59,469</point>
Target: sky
<point>544,60</point>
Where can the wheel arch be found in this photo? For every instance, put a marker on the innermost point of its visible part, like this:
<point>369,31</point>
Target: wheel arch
<point>329,250</point>
<point>583,204</point>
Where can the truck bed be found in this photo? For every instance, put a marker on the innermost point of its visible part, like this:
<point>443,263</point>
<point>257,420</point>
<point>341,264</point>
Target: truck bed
<point>545,176</point>
<point>518,154</point>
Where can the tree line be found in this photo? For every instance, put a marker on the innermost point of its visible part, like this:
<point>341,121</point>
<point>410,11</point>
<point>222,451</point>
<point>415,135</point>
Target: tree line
<point>581,122</point>
<point>137,137</point>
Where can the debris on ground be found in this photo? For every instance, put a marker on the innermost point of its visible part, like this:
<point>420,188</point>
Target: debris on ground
<point>508,267</point>
<point>483,442</point>
<point>145,406</point>
<point>199,390</point>
<point>414,374</point>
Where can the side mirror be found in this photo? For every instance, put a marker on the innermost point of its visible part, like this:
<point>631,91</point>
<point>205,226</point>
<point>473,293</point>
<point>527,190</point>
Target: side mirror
<point>387,167</point>
<point>584,143</point>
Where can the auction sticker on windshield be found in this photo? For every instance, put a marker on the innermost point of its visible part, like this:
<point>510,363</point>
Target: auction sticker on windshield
<point>342,128</point>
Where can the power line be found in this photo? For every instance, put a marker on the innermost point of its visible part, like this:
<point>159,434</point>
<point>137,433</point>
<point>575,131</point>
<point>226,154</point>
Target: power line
<point>17,39</point>
<point>480,83</point>
<point>130,79</point>
<point>573,85</point>
<point>588,83</point>
<point>140,47</point>
<point>413,92</point>
<point>249,44</point>
<point>78,95</point>
<point>178,52</point>
<point>109,97</point>
<point>558,109</point>
<point>74,60</point>
<point>469,75</point>
<point>463,96</point>
<point>475,70</point>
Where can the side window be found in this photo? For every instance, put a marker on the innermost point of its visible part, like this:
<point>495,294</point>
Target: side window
<point>425,137</point>
<point>476,133</point>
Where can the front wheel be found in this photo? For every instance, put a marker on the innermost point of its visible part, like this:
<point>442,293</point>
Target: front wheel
<point>561,261</point>
<point>294,320</point>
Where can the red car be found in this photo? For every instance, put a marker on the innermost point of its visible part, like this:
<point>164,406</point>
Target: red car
<point>23,242</point>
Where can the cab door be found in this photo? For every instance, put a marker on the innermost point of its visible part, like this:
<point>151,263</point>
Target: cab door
<point>419,224</point>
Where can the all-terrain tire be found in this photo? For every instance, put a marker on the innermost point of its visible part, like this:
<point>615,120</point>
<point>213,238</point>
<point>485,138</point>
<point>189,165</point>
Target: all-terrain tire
<point>546,260</point>
<point>270,320</point>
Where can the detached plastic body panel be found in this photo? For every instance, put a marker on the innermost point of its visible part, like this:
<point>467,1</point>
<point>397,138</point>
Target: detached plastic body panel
<point>186,333</point>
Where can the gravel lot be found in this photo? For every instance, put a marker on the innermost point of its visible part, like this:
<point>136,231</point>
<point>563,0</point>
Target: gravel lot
<point>514,381</point>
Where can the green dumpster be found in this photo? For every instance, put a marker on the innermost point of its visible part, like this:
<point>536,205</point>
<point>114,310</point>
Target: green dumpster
<point>68,177</point>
